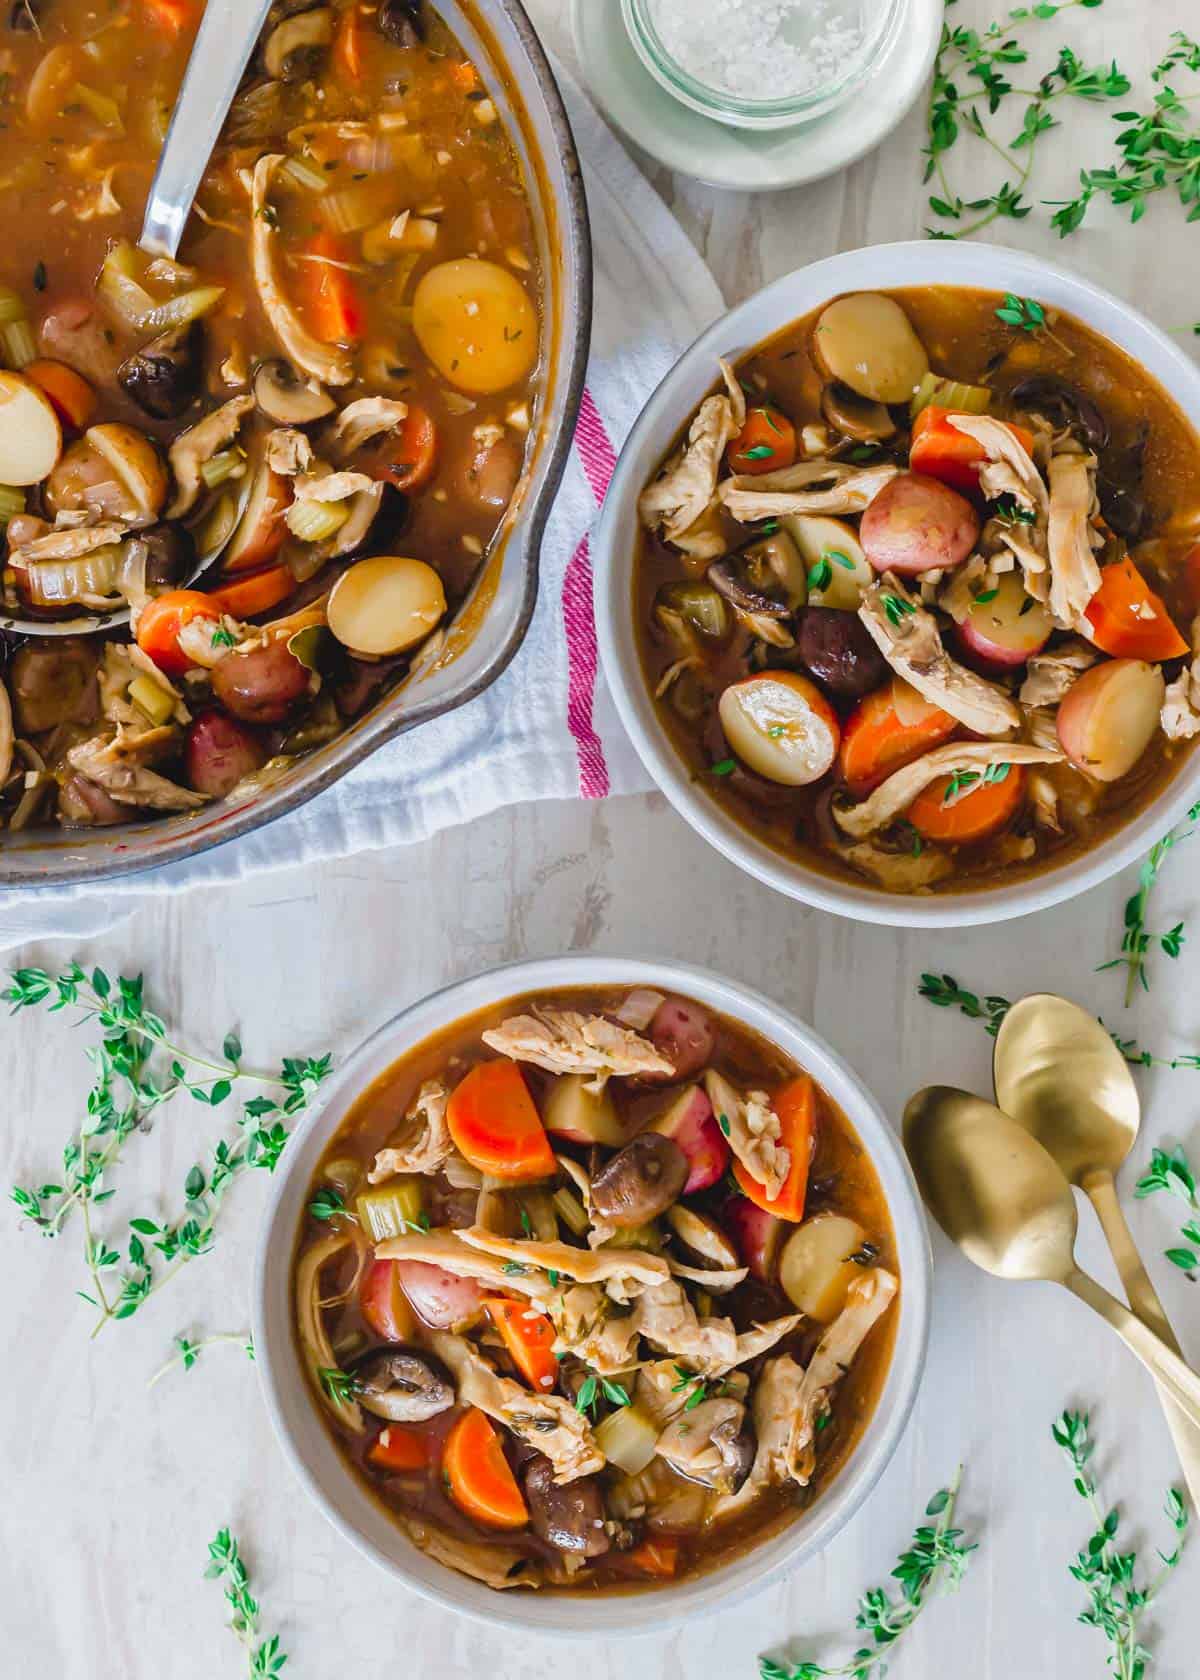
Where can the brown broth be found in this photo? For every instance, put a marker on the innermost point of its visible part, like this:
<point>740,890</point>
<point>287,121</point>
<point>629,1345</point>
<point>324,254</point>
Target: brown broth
<point>842,1180</point>
<point>967,342</point>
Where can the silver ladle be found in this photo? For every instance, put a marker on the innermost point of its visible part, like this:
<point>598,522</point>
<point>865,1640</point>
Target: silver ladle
<point>226,38</point>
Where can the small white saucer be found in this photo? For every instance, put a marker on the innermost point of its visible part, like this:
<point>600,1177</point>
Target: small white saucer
<point>738,158</point>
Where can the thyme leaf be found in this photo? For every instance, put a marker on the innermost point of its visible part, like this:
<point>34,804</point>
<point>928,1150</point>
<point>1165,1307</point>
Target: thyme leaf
<point>264,1659</point>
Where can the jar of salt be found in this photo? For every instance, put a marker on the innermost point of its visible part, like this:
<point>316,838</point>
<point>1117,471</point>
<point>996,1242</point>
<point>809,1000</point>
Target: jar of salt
<point>762,63</point>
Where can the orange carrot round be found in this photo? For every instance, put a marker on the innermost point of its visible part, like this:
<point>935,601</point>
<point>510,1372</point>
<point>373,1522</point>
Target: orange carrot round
<point>766,443</point>
<point>74,400</point>
<point>1129,620</point>
<point>940,450</point>
<point>161,621</point>
<point>256,594</point>
<point>657,1557</point>
<point>496,1126</point>
<point>478,1476</point>
<point>876,739</point>
<point>982,810</point>
<point>529,1337</point>
<point>398,1449</point>
<point>795,1104</point>
<point>407,457</point>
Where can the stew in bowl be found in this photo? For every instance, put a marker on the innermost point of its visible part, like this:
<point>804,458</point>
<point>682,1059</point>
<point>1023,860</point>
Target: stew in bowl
<point>915,591</point>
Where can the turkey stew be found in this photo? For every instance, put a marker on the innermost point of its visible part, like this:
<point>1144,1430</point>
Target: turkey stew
<point>593,1290</point>
<point>280,461</point>
<point>916,591</point>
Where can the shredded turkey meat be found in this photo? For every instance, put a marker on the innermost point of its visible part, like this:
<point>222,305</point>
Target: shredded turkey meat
<point>363,420</point>
<point>702,1443</point>
<point>545,1421</point>
<point>685,493</point>
<point>496,1566</point>
<point>909,639</point>
<point>114,765</point>
<point>1074,574</point>
<point>843,489</point>
<point>71,544</point>
<point>199,444</point>
<point>753,1131</point>
<point>665,1316</point>
<point>584,1265</point>
<point>867,1300</point>
<point>425,1144</point>
<point>1181,706</point>
<point>326,362</point>
<point>562,1041</point>
<point>447,1250</point>
<point>893,797</point>
<point>1049,676</point>
<point>899,871</point>
<point>586,1326</point>
<point>288,452</point>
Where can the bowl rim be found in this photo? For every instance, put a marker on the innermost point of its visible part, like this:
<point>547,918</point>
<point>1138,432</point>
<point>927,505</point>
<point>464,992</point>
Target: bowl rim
<point>618,1613</point>
<point>911,262</point>
<point>63,859</point>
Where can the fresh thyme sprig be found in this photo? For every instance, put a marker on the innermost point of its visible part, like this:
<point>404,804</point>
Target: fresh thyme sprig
<point>593,1387</point>
<point>944,991</point>
<point>971,85</point>
<point>1138,940</point>
<point>935,1561</point>
<point>1172,1172</point>
<point>129,1087</point>
<point>188,1351</point>
<point>1159,150</point>
<point>1116,1603</point>
<point>264,1659</point>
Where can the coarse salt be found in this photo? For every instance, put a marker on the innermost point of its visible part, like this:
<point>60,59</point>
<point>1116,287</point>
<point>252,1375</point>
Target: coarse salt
<point>762,49</point>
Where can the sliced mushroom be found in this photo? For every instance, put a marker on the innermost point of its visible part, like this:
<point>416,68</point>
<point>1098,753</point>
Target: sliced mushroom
<point>286,398</point>
<point>163,377</point>
<point>856,416</point>
<point>713,1444</point>
<point>402,1386</point>
<point>640,1182</point>
<point>296,49</point>
<point>571,1518</point>
<point>724,579</point>
<point>169,553</point>
<point>1064,405</point>
<point>402,22</point>
<point>703,1236</point>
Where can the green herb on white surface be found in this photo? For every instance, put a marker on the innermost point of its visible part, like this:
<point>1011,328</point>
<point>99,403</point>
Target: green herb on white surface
<point>1171,1172</point>
<point>264,1659</point>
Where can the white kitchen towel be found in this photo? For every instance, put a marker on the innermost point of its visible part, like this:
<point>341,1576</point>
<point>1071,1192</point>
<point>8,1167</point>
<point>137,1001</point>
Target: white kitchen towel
<point>547,729</point>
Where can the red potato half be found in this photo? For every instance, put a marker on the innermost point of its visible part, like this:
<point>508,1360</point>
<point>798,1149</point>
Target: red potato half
<point>685,1034</point>
<point>219,752</point>
<point>578,1115</point>
<point>781,726</point>
<point>756,1234</point>
<point>438,1298</point>
<point>31,437</point>
<point>917,524</point>
<point>384,1304</point>
<point>1006,631</point>
<point>691,1124</point>
<point>1110,716</point>
<point>261,530</point>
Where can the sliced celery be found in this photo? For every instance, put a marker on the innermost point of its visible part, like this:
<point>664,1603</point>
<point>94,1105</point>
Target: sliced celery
<point>571,1211</point>
<point>152,698</point>
<point>315,522</point>
<point>12,306</point>
<point>20,347</point>
<point>628,1438</point>
<point>949,393</point>
<point>389,1210</point>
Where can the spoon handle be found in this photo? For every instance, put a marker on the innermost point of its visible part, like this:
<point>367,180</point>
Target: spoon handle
<point>228,31</point>
<point>1167,1368</point>
<point>1143,1298</point>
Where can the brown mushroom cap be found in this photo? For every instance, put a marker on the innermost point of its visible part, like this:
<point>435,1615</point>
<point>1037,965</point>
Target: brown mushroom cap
<point>571,1518</point>
<point>402,1386</point>
<point>855,416</point>
<point>641,1181</point>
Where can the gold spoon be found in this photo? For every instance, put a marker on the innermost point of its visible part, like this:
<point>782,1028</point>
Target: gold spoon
<point>1004,1200</point>
<point>1059,1074</point>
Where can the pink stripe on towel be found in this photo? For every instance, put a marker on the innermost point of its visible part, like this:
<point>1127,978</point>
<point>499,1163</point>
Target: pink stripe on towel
<point>599,462</point>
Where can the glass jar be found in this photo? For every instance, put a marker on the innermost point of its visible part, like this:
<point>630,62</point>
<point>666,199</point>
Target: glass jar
<point>834,46</point>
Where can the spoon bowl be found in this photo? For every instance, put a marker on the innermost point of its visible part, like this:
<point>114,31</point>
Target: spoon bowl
<point>991,1186</point>
<point>1059,1074</point>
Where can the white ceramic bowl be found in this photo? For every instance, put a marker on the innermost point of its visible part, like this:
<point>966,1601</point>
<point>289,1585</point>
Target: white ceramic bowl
<point>933,262</point>
<point>356,1516</point>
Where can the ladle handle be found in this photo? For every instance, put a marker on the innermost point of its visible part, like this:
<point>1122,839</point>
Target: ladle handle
<point>1167,1369</point>
<point>1143,1298</point>
<point>224,42</point>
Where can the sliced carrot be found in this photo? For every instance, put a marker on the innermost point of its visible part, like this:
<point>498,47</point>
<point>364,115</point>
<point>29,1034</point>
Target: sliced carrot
<point>941,451</point>
<point>172,15</point>
<point>256,594</point>
<point>986,808</point>
<point>1129,620</point>
<point>495,1125</point>
<point>657,1557</point>
<point>795,1104</point>
<point>74,399</point>
<point>161,621</point>
<point>406,457</point>
<point>348,46</point>
<point>766,443</point>
<point>464,75</point>
<point>331,302</point>
<point>398,1449</point>
<point>478,1476</point>
<point>877,738</point>
<point>529,1337</point>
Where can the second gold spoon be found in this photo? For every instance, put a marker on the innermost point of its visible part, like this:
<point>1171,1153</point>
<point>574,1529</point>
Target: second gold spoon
<point>1005,1201</point>
<point>1060,1075</point>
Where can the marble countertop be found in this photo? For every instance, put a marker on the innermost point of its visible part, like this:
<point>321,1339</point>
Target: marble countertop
<point>113,1490</point>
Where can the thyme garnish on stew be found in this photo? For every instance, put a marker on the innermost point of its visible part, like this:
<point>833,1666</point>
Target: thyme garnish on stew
<point>934,1563</point>
<point>264,1659</point>
<point>127,1090</point>
<point>1116,1603</point>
